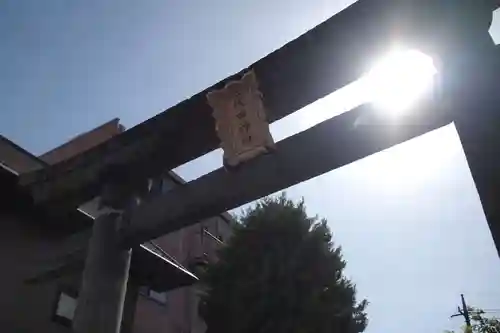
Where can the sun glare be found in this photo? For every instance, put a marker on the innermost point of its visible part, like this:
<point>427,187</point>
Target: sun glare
<point>394,85</point>
<point>398,81</point>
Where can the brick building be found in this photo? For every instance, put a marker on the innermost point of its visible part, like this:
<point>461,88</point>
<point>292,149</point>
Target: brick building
<point>47,254</point>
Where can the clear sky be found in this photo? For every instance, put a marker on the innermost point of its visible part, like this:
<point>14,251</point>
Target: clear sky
<point>409,219</point>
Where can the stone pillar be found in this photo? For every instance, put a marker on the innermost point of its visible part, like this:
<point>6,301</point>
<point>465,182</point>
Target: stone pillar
<point>130,306</point>
<point>104,282</point>
<point>478,125</point>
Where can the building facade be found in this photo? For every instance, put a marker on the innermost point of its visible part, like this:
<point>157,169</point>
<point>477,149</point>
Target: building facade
<point>161,297</point>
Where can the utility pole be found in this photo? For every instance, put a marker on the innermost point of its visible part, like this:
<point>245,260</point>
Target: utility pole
<point>464,312</point>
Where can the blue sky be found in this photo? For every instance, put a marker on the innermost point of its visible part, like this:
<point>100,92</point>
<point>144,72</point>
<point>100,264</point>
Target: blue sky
<point>409,219</point>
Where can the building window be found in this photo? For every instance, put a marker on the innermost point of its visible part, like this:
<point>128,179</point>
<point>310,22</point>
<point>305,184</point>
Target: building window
<point>65,306</point>
<point>159,297</point>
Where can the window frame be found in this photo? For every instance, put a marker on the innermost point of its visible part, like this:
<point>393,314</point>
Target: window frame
<point>145,291</point>
<point>72,293</point>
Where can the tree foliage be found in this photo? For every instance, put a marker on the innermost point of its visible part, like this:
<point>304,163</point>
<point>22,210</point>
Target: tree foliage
<point>280,272</point>
<point>480,323</point>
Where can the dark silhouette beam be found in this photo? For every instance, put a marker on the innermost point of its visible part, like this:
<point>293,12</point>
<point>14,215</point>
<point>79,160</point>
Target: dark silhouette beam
<point>327,146</point>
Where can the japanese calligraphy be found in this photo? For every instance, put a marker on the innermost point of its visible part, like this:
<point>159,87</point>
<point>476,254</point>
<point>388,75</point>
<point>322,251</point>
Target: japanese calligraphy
<point>240,120</point>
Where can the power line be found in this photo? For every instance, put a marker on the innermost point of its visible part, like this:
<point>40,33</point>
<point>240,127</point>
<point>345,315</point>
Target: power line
<point>490,310</point>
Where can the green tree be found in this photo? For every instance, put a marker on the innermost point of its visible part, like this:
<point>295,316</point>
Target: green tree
<point>480,323</point>
<point>280,272</point>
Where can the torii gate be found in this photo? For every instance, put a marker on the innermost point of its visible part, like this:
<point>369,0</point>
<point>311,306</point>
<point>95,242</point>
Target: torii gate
<point>306,69</point>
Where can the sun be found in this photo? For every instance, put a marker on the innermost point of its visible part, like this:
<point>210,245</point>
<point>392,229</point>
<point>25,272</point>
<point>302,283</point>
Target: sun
<point>394,86</point>
<point>396,82</point>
